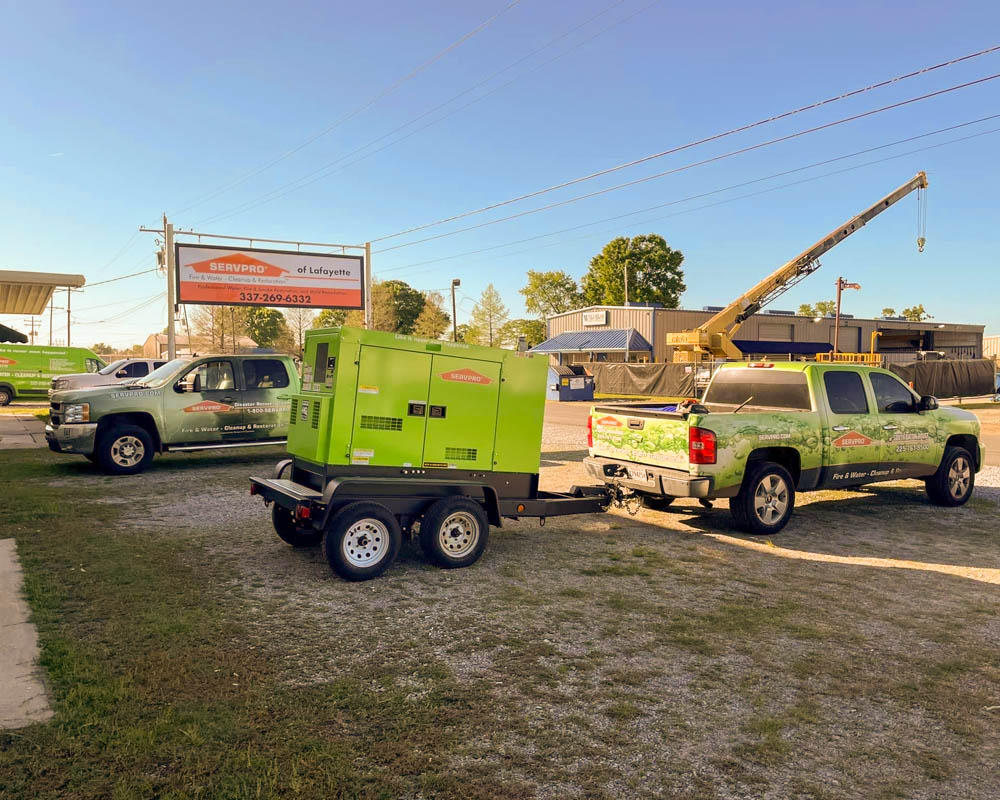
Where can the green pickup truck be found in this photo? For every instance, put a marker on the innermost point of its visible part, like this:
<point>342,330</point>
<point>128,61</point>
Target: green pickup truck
<point>766,430</point>
<point>187,404</point>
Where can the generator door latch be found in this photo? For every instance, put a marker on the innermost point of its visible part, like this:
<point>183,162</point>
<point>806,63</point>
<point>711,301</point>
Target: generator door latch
<point>438,412</point>
<point>416,409</point>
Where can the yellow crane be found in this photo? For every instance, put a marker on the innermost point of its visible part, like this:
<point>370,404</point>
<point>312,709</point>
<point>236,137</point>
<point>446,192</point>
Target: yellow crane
<point>714,338</point>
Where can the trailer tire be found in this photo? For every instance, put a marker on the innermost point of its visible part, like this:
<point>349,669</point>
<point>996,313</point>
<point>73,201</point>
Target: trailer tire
<point>765,501</point>
<point>454,532</point>
<point>124,450</point>
<point>657,502</point>
<point>362,541</point>
<point>289,532</point>
<point>954,480</point>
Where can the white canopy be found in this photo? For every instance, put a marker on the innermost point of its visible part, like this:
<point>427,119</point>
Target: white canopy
<point>30,292</point>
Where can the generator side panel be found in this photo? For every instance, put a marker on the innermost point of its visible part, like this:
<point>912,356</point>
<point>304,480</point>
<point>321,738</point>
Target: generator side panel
<point>461,413</point>
<point>309,430</point>
<point>345,392</point>
<point>521,413</point>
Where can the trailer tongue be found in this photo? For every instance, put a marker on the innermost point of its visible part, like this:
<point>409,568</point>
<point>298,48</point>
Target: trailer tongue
<point>391,434</point>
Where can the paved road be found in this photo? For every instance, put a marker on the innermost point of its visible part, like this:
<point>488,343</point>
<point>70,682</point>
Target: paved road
<point>21,429</point>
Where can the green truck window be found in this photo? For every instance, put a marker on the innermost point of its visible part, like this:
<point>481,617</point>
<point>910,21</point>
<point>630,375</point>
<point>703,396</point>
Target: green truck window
<point>845,392</point>
<point>891,396</point>
<point>770,388</point>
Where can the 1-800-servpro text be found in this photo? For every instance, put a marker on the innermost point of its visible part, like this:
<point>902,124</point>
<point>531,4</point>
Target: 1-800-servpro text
<point>274,297</point>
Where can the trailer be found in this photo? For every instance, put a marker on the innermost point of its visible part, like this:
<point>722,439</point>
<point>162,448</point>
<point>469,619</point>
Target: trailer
<point>392,435</point>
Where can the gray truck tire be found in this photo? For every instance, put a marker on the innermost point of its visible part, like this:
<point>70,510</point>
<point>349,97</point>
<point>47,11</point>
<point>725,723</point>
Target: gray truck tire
<point>6,395</point>
<point>124,450</point>
<point>954,480</point>
<point>765,501</point>
<point>289,532</point>
<point>454,532</point>
<point>362,541</point>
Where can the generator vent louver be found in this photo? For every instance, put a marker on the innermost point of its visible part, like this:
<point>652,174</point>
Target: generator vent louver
<point>314,421</point>
<point>373,423</point>
<point>461,453</point>
<point>294,411</point>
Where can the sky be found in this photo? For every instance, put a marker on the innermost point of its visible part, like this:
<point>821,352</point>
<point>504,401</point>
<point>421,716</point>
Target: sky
<point>348,122</point>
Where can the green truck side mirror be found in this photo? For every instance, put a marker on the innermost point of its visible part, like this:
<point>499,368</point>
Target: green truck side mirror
<point>927,403</point>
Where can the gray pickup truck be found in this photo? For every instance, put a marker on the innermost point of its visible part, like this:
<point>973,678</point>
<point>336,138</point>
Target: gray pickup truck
<point>187,404</point>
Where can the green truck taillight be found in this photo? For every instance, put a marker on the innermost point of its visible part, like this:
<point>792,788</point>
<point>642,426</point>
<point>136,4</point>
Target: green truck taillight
<point>701,446</point>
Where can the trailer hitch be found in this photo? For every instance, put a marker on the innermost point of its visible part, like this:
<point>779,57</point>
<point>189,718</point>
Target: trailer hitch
<point>623,497</point>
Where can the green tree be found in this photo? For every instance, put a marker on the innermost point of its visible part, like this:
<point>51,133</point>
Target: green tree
<point>654,272</point>
<point>408,303</point>
<point>888,312</point>
<point>433,320</point>
<point>299,320</point>
<point>551,292</point>
<point>101,347</point>
<point>916,313</point>
<point>265,325</point>
<point>533,331</point>
<point>330,318</point>
<point>465,333</point>
<point>384,309</point>
<point>820,309</point>
<point>134,350</point>
<point>220,327</point>
<point>488,316</point>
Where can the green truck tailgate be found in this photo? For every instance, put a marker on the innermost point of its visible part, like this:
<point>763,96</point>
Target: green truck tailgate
<point>640,434</point>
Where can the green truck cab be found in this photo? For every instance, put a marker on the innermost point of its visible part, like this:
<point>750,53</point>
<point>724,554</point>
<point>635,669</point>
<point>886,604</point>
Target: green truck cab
<point>27,370</point>
<point>766,430</point>
<point>215,401</point>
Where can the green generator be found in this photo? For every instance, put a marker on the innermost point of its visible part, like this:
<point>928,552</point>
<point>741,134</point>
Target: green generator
<point>391,432</point>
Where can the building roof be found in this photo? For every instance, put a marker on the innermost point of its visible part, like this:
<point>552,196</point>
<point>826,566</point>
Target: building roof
<point>30,292</point>
<point>601,340</point>
<point>10,335</point>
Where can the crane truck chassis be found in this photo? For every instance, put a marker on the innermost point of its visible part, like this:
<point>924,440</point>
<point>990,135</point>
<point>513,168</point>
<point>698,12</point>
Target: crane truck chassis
<point>391,432</point>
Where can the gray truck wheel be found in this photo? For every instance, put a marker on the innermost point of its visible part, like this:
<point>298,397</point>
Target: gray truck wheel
<point>362,540</point>
<point>765,501</point>
<point>289,532</point>
<point>124,450</point>
<point>6,395</point>
<point>955,479</point>
<point>454,532</point>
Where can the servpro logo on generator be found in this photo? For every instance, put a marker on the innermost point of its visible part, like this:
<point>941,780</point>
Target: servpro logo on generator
<point>28,370</point>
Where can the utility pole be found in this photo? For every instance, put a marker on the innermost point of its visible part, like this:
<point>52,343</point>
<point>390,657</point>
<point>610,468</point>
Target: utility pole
<point>31,321</point>
<point>52,307</point>
<point>69,295</point>
<point>168,247</point>
<point>368,285</point>
<point>454,316</point>
<point>841,285</point>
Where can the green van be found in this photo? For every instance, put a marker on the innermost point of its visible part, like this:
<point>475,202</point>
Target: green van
<point>27,370</point>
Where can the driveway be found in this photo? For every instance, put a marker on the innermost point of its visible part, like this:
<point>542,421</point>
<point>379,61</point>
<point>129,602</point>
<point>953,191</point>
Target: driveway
<point>21,428</point>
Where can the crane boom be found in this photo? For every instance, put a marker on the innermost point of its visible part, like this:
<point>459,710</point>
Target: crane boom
<point>713,339</point>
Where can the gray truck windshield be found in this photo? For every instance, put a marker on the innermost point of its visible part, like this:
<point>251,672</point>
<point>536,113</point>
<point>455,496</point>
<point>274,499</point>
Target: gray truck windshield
<point>112,367</point>
<point>769,387</point>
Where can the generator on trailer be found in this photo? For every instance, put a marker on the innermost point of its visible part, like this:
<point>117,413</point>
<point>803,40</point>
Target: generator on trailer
<point>392,433</point>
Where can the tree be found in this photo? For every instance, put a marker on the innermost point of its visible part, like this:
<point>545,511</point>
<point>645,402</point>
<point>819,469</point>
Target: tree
<point>384,315</point>
<point>488,315</point>
<point>299,321</point>
<point>101,348</point>
<point>551,292</point>
<point>408,303</point>
<point>265,325</point>
<point>888,312</point>
<point>654,272</point>
<point>330,318</point>
<point>221,326</point>
<point>916,313</point>
<point>820,309</point>
<point>433,320</point>
<point>464,333</point>
<point>135,350</point>
<point>533,331</point>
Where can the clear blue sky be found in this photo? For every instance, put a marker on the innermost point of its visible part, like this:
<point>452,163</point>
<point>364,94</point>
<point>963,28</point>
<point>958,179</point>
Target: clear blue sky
<point>114,113</point>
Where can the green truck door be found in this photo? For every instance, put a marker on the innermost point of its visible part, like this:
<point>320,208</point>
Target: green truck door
<point>266,398</point>
<point>852,439</point>
<point>912,443</point>
<point>207,411</point>
<point>461,413</point>
<point>391,408</point>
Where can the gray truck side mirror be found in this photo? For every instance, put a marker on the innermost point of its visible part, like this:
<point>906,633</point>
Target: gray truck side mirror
<point>187,383</point>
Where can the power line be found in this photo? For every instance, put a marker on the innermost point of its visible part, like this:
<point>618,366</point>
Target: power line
<point>705,140</point>
<point>694,196</point>
<point>358,110</point>
<point>327,169</point>
<point>691,165</point>
<point>121,278</point>
<point>755,194</point>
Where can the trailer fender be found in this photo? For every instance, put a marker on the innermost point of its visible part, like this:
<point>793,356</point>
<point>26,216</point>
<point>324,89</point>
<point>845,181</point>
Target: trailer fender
<point>280,467</point>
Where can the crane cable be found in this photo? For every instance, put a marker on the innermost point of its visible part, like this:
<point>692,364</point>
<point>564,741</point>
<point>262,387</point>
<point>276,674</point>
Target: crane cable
<point>921,218</point>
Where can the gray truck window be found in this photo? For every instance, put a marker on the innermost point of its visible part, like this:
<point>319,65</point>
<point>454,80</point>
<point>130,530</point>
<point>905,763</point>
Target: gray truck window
<point>769,387</point>
<point>845,392</point>
<point>214,376</point>
<point>138,369</point>
<point>891,396</point>
<point>264,373</point>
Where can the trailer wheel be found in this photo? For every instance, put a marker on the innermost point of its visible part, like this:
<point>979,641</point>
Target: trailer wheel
<point>454,532</point>
<point>765,501</point>
<point>288,531</point>
<point>362,540</point>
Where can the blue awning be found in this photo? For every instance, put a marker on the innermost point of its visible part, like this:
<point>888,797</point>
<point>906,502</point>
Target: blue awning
<point>604,340</point>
